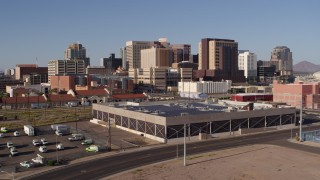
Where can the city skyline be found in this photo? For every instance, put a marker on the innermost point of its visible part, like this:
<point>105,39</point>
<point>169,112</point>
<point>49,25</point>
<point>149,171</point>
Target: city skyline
<point>37,32</point>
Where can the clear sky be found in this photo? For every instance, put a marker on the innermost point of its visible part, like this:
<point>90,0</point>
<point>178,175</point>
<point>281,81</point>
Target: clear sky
<point>39,29</point>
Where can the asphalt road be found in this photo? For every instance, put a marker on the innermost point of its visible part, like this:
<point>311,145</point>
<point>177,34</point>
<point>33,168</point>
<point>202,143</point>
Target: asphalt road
<point>107,166</point>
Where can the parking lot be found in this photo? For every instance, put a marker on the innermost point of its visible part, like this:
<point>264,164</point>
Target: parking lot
<point>73,149</point>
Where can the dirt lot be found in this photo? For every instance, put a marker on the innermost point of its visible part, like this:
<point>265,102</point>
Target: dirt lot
<point>249,162</point>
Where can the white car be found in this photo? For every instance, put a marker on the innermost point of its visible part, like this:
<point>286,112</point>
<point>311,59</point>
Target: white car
<point>35,142</point>
<point>13,151</point>
<point>87,142</point>
<point>9,144</point>
<point>26,164</point>
<point>76,137</point>
<point>59,133</point>
<point>60,146</point>
<point>44,141</point>
<point>4,130</point>
<point>1,135</point>
<point>16,133</point>
<point>43,149</point>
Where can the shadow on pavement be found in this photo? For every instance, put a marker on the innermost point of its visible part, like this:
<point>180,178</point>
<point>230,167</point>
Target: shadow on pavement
<point>26,153</point>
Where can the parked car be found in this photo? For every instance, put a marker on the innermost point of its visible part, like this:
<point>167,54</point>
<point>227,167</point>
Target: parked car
<point>61,133</point>
<point>26,164</point>
<point>13,151</point>
<point>96,148</point>
<point>9,144</point>
<point>60,146</point>
<point>87,142</point>
<point>16,133</point>
<point>39,159</point>
<point>44,141</point>
<point>92,148</point>
<point>43,149</point>
<point>4,130</point>
<point>1,135</point>
<point>35,142</point>
<point>76,137</point>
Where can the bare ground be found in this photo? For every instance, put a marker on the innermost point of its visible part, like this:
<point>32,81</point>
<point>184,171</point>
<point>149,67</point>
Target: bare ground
<point>242,163</point>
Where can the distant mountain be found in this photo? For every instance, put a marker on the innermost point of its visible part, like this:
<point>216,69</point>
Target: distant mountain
<point>306,66</point>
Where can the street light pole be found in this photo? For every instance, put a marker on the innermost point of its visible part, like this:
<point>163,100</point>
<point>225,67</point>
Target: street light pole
<point>11,174</point>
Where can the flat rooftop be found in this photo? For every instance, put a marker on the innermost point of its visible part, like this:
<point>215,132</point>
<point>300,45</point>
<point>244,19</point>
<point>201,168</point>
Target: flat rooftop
<point>175,109</point>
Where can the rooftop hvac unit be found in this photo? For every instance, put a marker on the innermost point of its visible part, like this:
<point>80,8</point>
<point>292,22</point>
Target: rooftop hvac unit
<point>184,114</point>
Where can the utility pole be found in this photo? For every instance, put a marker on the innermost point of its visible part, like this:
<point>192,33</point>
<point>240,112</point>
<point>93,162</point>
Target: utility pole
<point>185,146</point>
<point>57,153</point>
<point>109,132</point>
<point>177,145</point>
<point>75,115</point>
<point>301,118</point>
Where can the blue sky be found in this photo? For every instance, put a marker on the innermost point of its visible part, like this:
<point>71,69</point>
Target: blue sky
<point>38,29</point>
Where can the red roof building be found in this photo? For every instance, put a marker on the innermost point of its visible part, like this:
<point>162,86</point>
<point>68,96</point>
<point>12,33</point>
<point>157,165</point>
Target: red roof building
<point>251,97</point>
<point>128,97</point>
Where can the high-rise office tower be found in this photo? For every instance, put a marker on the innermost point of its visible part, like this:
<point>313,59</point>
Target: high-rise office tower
<point>66,67</point>
<point>123,57</point>
<point>133,52</point>
<point>282,57</point>
<point>181,52</point>
<point>111,63</point>
<point>247,61</point>
<point>218,60</point>
<point>76,51</point>
<point>155,57</point>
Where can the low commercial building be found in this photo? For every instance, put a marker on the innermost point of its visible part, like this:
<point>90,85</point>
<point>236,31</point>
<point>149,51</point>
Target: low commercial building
<point>294,94</point>
<point>163,121</point>
<point>250,97</point>
<point>208,87</point>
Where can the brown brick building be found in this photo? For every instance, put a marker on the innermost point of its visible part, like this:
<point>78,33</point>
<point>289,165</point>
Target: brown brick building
<point>218,60</point>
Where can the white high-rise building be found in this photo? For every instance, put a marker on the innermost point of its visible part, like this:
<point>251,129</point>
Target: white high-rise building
<point>247,61</point>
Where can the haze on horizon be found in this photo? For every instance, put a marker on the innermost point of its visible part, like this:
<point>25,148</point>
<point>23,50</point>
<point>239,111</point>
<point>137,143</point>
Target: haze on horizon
<point>42,30</point>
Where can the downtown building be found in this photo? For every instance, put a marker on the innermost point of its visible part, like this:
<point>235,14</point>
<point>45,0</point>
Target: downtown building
<point>111,63</point>
<point>247,61</point>
<point>75,52</point>
<point>181,52</point>
<point>31,73</point>
<point>218,60</point>
<point>150,64</point>
<point>131,53</point>
<point>281,61</point>
<point>65,74</point>
<point>282,58</point>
